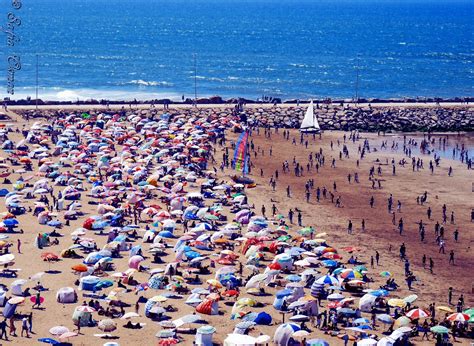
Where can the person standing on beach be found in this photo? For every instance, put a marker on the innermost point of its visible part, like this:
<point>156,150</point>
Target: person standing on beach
<point>290,215</point>
<point>451,257</point>
<point>377,257</point>
<point>300,223</point>
<point>450,296</point>
<point>349,227</point>
<point>431,265</point>
<point>18,245</point>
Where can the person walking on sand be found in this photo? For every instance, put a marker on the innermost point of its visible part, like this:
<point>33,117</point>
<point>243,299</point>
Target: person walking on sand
<point>24,327</point>
<point>18,245</point>
<point>450,296</point>
<point>431,265</point>
<point>3,329</point>
<point>37,300</point>
<point>377,257</point>
<point>300,218</point>
<point>349,227</point>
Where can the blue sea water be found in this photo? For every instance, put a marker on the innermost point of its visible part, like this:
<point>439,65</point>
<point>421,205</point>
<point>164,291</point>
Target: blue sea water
<point>281,48</point>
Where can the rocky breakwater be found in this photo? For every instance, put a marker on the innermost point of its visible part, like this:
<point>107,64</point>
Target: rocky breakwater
<point>370,119</point>
<point>330,117</point>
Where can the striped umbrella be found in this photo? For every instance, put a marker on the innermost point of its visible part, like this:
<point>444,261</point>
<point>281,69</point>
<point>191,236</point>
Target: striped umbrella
<point>417,313</point>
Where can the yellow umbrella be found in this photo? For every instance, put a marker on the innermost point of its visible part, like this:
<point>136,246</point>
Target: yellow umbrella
<point>214,282</point>
<point>177,278</point>
<point>444,308</point>
<point>319,240</point>
<point>320,235</point>
<point>397,302</point>
<point>158,299</point>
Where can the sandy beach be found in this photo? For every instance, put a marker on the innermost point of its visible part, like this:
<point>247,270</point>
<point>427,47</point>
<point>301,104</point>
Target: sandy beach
<point>380,234</point>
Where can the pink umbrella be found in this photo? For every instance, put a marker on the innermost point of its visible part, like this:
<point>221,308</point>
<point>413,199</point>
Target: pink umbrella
<point>134,261</point>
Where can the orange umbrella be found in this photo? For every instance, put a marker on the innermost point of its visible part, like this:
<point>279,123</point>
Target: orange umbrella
<point>81,268</point>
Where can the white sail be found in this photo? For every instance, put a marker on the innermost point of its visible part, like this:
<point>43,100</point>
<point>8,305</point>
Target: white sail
<point>310,122</point>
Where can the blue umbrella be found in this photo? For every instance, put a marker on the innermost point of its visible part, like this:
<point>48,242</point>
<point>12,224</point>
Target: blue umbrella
<point>379,293</point>
<point>10,222</point>
<point>49,341</point>
<point>54,223</point>
<point>329,263</point>
<point>361,321</point>
<point>293,278</point>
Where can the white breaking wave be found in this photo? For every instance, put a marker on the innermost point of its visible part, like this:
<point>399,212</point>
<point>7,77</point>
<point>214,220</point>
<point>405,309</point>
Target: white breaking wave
<point>149,83</point>
<point>61,94</point>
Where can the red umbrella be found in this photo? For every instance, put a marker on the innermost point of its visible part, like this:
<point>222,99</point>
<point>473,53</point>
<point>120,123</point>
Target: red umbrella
<point>167,342</point>
<point>231,293</point>
<point>49,256</point>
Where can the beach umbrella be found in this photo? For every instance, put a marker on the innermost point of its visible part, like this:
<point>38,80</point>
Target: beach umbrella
<point>299,318</point>
<point>317,342</point>
<point>85,308</point>
<point>49,341</point>
<point>444,308</point>
<point>67,335</point>
<point>458,317</point>
<point>411,298</point>
<point>361,320</point>
<point>6,259</point>
<point>394,302</point>
<point>262,339</point>
<point>417,313</point>
<point>327,280</point>
<point>81,268</point>
<point>300,334</point>
<point>107,325</point>
<point>367,342</point>
<point>129,315</point>
<point>384,318</point>
<point>439,329</point>
<point>58,330</point>
<point>402,321</point>
<point>16,300</point>
<point>385,274</point>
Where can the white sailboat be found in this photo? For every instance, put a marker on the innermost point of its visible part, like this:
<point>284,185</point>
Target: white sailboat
<point>310,122</point>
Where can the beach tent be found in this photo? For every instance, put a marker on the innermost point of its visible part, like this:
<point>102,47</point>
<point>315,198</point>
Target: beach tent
<point>283,334</point>
<point>17,287</point>
<point>9,310</point>
<point>66,295</point>
<point>82,316</point>
<point>204,335</point>
<point>239,340</point>
<point>88,283</point>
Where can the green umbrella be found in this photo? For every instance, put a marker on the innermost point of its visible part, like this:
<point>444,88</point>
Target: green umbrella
<point>361,269</point>
<point>470,312</point>
<point>85,116</point>
<point>211,217</point>
<point>306,230</point>
<point>284,238</point>
<point>439,330</point>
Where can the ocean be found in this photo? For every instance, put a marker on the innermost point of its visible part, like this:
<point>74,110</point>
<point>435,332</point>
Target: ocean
<point>125,49</point>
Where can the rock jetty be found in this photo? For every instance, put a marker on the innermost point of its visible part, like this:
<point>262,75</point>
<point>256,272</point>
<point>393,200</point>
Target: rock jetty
<point>331,117</point>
